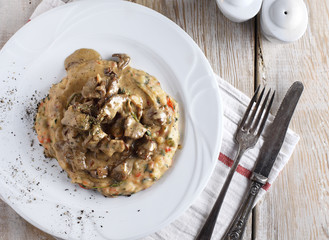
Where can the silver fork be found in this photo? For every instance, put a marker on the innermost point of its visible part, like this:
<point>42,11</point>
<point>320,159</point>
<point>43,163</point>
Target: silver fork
<point>246,136</point>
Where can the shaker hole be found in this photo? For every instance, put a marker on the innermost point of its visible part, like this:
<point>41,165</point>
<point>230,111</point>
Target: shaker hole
<point>285,12</point>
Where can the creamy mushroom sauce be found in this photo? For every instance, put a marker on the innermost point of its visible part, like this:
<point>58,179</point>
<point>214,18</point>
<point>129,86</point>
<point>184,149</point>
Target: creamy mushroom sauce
<point>111,127</point>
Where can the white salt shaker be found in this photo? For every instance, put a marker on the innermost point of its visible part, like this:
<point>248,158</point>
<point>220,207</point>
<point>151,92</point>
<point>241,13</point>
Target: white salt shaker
<point>283,21</point>
<point>239,10</point>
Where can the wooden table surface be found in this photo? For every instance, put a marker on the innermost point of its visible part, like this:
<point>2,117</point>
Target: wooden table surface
<point>297,205</point>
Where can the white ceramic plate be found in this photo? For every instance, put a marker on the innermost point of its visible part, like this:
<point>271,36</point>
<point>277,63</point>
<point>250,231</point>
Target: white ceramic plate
<point>32,61</point>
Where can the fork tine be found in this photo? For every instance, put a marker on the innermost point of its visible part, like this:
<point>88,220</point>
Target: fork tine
<point>251,119</point>
<point>262,125</point>
<point>260,113</point>
<point>246,114</point>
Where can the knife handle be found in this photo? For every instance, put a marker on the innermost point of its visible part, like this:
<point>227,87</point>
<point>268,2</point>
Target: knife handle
<point>238,224</point>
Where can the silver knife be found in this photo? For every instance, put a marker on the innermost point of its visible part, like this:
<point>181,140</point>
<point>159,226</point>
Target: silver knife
<point>272,144</point>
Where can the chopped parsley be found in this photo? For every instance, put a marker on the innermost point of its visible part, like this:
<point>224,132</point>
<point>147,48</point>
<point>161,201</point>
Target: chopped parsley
<point>134,116</point>
<point>147,168</point>
<point>115,184</point>
<point>148,133</point>
<point>122,91</point>
<point>170,142</point>
<point>162,152</point>
<point>147,80</point>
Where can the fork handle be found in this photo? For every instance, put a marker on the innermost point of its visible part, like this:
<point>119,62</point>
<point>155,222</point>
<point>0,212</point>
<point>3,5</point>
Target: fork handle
<point>208,227</point>
<point>238,225</point>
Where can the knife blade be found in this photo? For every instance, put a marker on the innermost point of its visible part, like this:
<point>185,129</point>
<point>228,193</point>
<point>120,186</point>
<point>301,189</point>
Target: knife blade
<point>276,133</point>
<point>273,141</point>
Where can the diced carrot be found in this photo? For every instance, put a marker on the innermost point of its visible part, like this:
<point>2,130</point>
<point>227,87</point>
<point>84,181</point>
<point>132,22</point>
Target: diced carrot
<point>84,183</point>
<point>82,186</point>
<point>40,138</point>
<point>138,174</point>
<point>168,149</point>
<point>113,191</point>
<point>170,103</point>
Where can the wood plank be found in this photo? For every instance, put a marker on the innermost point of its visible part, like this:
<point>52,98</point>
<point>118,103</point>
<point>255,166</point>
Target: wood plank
<point>297,204</point>
<point>12,226</point>
<point>10,22</point>
<point>228,46</point>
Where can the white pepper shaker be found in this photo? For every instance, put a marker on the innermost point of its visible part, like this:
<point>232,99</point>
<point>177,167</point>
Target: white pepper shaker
<point>283,21</point>
<point>239,10</point>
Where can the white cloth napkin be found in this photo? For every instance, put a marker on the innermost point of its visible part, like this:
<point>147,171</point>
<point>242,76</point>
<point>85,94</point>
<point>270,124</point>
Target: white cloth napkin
<point>235,103</point>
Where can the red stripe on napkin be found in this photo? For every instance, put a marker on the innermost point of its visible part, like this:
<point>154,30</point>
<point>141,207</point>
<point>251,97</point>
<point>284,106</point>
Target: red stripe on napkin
<point>243,171</point>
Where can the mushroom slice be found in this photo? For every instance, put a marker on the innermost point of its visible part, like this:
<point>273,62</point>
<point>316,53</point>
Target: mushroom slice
<point>154,115</point>
<point>114,105</point>
<point>89,89</point>
<point>97,132</point>
<point>86,108</point>
<point>112,146</point>
<point>113,87</point>
<point>95,136</point>
<point>100,172</point>
<point>72,136</point>
<point>147,149</point>
<point>122,171</point>
<point>116,129</point>
<point>75,158</point>
<point>138,102</point>
<point>76,119</point>
<point>124,59</point>
<point>134,129</point>
<point>101,89</point>
<point>78,161</point>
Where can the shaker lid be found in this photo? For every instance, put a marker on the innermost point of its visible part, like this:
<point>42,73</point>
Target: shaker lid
<point>284,20</point>
<point>239,10</point>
